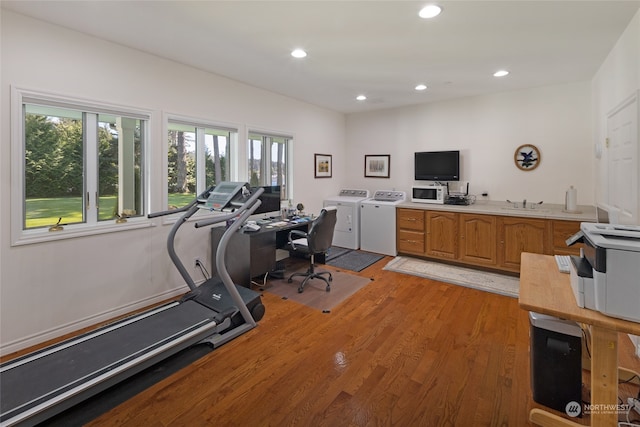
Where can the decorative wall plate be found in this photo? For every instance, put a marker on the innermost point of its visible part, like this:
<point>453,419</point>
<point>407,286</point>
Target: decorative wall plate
<point>527,157</point>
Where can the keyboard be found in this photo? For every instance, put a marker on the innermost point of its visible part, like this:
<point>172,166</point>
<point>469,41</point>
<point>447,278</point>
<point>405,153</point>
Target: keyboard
<point>563,262</point>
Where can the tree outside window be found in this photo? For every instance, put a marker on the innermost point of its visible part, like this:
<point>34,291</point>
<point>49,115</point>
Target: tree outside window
<point>64,182</point>
<point>197,158</point>
<point>267,163</point>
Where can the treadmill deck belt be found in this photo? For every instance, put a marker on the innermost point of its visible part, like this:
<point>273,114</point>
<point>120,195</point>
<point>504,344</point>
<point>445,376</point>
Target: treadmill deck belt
<point>27,385</point>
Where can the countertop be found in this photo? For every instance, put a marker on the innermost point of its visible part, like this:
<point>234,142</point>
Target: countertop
<point>584,213</point>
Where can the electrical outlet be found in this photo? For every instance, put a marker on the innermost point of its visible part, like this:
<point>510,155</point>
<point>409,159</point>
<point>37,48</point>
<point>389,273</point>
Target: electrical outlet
<point>634,403</point>
<point>197,262</point>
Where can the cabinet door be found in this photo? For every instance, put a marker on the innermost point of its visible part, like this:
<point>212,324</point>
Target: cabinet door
<point>519,235</point>
<point>478,239</point>
<point>442,234</point>
<point>562,230</point>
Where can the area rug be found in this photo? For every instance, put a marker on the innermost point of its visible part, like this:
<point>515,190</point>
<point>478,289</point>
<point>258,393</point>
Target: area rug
<point>354,260</point>
<point>315,295</point>
<point>490,282</point>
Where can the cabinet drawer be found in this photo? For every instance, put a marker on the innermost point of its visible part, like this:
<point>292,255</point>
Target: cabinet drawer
<point>410,241</point>
<point>410,219</point>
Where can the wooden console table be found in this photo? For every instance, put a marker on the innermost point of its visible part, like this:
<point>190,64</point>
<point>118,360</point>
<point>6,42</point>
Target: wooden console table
<point>543,289</point>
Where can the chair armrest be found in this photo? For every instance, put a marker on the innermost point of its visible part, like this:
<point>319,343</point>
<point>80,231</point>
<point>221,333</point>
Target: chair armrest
<point>298,234</point>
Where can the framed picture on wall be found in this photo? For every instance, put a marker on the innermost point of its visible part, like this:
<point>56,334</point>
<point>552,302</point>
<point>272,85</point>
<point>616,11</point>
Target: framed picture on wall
<point>322,165</point>
<point>377,165</point>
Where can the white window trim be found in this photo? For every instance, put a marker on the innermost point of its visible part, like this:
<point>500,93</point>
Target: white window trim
<point>19,236</point>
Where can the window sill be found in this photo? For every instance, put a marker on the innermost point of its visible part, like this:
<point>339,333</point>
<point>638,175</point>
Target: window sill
<point>41,235</point>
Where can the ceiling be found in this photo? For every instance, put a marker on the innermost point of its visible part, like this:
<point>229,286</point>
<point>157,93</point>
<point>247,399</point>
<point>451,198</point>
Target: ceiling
<point>378,48</point>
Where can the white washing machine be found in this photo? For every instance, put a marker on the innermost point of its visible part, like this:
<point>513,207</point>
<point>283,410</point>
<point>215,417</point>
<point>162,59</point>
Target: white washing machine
<point>347,231</point>
<point>378,222</point>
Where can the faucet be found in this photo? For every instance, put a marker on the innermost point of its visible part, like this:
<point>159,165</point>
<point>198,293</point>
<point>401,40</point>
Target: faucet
<point>524,204</point>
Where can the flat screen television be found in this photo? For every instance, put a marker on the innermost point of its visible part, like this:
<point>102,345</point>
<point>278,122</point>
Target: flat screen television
<point>437,165</point>
<point>270,200</point>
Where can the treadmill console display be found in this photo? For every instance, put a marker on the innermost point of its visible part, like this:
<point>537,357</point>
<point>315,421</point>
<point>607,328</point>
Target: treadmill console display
<point>222,195</point>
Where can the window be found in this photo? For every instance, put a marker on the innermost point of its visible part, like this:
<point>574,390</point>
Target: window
<point>79,163</point>
<point>197,158</point>
<point>268,164</point>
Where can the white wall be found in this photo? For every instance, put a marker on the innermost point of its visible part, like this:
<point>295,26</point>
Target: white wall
<point>616,80</point>
<point>51,288</point>
<point>487,130</point>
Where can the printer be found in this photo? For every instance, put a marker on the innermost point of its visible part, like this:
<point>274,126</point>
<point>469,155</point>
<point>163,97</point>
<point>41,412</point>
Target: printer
<point>606,278</point>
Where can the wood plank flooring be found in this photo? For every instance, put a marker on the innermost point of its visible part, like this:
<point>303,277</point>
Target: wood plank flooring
<point>403,351</point>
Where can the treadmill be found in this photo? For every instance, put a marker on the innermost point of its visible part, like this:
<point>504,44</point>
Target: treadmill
<point>41,384</point>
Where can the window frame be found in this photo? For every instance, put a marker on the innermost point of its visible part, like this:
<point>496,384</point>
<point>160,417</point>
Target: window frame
<point>91,226</point>
<point>232,163</point>
<point>290,138</point>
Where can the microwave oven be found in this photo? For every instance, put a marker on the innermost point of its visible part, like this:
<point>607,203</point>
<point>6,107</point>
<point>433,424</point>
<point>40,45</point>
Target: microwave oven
<point>429,194</point>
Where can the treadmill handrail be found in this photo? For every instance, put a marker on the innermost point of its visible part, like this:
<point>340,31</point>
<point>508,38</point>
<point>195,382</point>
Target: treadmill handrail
<point>190,210</point>
<point>204,195</point>
<point>253,203</point>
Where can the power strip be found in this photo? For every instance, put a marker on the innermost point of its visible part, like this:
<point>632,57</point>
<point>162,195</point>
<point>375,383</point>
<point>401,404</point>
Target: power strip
<point>634,404</point>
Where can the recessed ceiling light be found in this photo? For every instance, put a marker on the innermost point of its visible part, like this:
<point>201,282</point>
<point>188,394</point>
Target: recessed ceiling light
<point>298,53</point>
<point>361,97</point>
<point>500,73</point>
<point>421,87</point>
<point>430,11</point>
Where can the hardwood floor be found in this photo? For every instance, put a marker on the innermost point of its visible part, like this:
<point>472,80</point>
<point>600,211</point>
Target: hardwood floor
<point>402,351</point>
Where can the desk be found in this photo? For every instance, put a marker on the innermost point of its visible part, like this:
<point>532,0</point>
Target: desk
<point>543,289</point>
<point>253,253</point>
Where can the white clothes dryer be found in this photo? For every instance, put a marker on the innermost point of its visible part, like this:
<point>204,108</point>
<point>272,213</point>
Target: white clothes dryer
<point>378,222</point>
<point>347,231</point>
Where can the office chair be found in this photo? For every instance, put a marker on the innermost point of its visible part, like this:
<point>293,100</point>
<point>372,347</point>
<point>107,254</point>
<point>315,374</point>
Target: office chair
<point>315,241</point>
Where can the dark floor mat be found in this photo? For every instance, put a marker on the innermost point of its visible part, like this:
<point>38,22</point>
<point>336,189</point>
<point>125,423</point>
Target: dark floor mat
<point>335,251</point>
<point>355,260</point>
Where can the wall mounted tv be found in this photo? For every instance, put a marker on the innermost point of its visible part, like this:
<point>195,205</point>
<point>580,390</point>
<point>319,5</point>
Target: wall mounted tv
<point>437,166</point>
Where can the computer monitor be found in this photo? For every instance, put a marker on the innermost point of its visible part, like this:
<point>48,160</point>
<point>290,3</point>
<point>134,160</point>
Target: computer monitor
<point>270,200</point>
